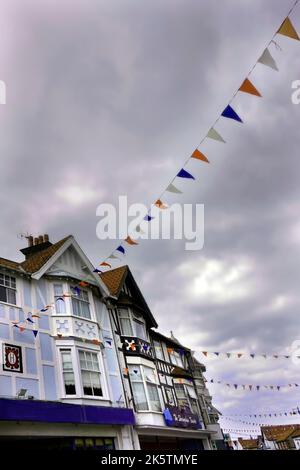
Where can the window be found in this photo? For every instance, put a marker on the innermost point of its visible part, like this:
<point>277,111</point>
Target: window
<point>80,303</point>
<point>60,306</point>
<point>169,396</point>
<point>68,372</point>
<point>187,397</point>
<point>144,388</point>
<point>124,316</point>
<point>131,324</point>
<point>90,373</point>
<point>158,350</point>
<point>8,289</point>
<point>176,359</point>
<point>139,328</point>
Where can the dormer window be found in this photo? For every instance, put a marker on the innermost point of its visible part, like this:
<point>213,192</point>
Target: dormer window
<point>8,289</point>
<point>132,324</point>
<point>80,303</point>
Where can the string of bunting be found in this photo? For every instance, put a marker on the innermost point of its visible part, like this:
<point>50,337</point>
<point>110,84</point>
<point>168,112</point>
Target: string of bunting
<point>239,355</point>
<point>252,387</point>
<point>253,423</point>
<point>295,411</point>
<point>266,59</point>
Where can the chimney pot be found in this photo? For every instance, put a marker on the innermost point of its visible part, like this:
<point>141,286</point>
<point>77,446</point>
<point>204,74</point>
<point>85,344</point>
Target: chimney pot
<point>36,241</point>
<point>30,240</point>
<point>46,237</point>
<point>41,239</point>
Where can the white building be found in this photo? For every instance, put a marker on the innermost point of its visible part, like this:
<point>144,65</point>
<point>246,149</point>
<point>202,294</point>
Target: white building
<point>60,383</point>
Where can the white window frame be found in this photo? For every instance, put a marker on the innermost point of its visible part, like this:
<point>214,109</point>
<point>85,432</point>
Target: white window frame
<point>80,300</point>
<point>144,381</point>
<point>133,318</point>
<point>66,289</point>
<point>15,288</point>
<point>157,345</point>
<point>75,348</point>
<point>174,356</point>
<point>61,350</point>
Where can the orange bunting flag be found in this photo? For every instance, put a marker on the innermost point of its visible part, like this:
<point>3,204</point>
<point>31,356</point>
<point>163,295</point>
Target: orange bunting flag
<point>130,241</point>
<point>96,341</point>
<point>248,87</point>
<point>83,284</point>
<point>105,264</point>
<point>239,355</point>
<point>21,328</point>
<point>199,156</point>
<point>287,29</point>
<point>205,353</point>
<point>35,316</point>
<point>160,204</point>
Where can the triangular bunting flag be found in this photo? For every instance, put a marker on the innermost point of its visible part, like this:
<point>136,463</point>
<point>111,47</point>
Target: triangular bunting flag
<point>239,355</point>
<point>172,189</point>
<point>287,29</point>
<point>35,332</point>
<point>199,156</point>
<point>231,114</point>
<point>97,271</point>
<point>184,174</point>
<point>22,328</point>
<point>160,204</point>
<point>267,59</point>
<point>228,355</point>
<point>205,353</point>
<point>130,241</point>
<point>213,134</point>
<point>121,249</point>
<point>248,87</point>
<point>104,263</point>
<point>148,218</point>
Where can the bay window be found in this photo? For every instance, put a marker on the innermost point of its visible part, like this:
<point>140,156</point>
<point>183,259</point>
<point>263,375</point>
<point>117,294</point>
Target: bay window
<point>186,397</point>
<point>80,303</point>
<point>144,388</point>
<point>90,373</point>
<point>68,372</point>
<point>8,289</point>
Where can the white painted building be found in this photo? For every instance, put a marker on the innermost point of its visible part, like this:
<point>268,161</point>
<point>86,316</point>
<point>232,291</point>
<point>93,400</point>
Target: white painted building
<point>60,383</point>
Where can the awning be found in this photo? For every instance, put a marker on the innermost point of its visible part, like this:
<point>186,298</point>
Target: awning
<point>58,412</point>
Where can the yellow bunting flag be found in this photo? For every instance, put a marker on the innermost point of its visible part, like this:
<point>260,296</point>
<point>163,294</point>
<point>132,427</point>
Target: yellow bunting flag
<point>287,29</point>
<point>105,264</point>
<point>248,87</point>
<point>130,241</point>
<point>199,156</point>
<point>160,204</point>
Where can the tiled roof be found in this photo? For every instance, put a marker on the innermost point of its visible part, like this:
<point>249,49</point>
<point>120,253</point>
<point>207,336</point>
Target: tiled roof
<point>9,264</point>
<point>280,432</point>
<point>248,444</point>
<point>113,279</point>
<point>35,262</point>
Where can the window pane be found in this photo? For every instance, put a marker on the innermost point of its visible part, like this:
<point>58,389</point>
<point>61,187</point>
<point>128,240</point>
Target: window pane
<point>68,374</point>
<point>3,296</point>
<point>58,290</point>
<point>139,329</point>
<point>153,397</point>
<point>85,309</point>
<point>139,395</point>
<point>126,327</point>
<point>158,350</point>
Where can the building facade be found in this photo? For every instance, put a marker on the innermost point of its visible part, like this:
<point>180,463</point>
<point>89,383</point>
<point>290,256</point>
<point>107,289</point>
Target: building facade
<point>83,365</point>
<point>60,383</point>
<point>163,381</point>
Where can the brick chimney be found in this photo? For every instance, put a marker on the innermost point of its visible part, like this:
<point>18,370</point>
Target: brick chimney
<point>35,245</point>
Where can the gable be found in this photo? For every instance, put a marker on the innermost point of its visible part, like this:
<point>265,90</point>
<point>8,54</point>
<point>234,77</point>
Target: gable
<point>69,263</point>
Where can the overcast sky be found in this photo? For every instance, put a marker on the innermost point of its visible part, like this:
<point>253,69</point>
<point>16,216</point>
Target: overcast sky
<point>109,98</point>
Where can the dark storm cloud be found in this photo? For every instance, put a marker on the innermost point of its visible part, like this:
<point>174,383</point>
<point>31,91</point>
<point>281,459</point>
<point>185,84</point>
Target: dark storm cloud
<point>109,98</point>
